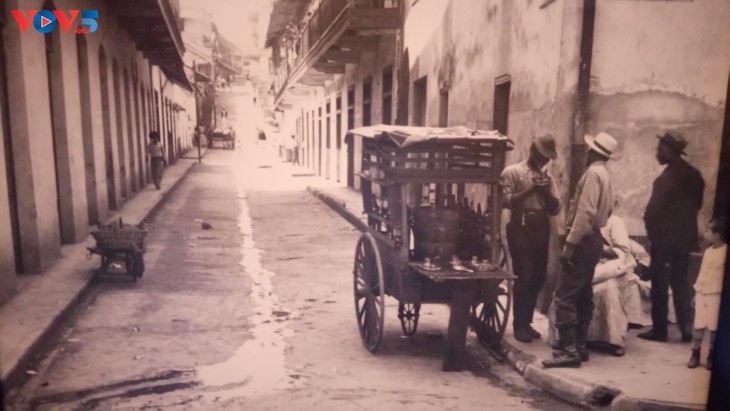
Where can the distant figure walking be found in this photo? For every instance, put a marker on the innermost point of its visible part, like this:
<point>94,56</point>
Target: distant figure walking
<point>156,153</point>
<point>671,225</point>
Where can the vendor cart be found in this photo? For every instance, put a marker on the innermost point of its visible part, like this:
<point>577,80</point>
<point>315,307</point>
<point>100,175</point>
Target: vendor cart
<point>225,136</point>
<point>433,205</point>
<point>120,245</point>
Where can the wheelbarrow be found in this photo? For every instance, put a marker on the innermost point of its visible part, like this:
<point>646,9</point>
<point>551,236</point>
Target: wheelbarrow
<point>120,245</point>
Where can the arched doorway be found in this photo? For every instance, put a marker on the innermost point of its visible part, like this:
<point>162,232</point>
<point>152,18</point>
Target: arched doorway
<point>82,53</point>
<point>61,157</point>
<point>111,189</point>
<point>120,128</point>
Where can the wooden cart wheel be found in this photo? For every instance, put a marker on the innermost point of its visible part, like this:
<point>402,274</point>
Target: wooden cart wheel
<point>489,319</point>
<point>408,315</point>
<point>369,291</point>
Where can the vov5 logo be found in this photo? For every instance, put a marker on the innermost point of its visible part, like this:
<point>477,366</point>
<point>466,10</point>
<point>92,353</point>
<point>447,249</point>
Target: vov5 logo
<point>46,20</point>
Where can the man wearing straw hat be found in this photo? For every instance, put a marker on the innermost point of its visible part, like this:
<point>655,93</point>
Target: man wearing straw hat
<point>671,225</point>
<point>531,195</point>
<point>589,210</point>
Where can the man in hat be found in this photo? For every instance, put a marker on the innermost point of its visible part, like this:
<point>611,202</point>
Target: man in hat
<point>589,210</point>
<point>531,195</point>
<point>671,225</point>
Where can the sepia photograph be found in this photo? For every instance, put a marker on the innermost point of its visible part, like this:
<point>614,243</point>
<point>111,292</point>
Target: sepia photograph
<point>364,205</point>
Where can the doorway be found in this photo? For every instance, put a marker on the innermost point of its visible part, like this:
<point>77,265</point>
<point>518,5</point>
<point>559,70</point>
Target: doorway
<point>420,104</point>
<point>327,142</point>
<point>120,130</point>
<point>61,158</point>
<point>9,163</point>
<point>500,118</point>
<point>338,135</point>
<point>351,141</point>
<point>87,134</point>
<point>111,189</point>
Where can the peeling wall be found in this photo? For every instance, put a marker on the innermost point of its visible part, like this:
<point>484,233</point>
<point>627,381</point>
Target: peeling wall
<point>660,66</point>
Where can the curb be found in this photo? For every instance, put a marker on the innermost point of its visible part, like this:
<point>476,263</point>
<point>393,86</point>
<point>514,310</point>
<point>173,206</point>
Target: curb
<point>16,376</point>
<point>339,207</point>
<point>575,391</point>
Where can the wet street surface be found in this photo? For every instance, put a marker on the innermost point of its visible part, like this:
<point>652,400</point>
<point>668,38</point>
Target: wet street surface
<point>256,313</point>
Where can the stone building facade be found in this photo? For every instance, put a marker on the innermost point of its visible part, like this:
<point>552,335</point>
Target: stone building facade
<point>76,111</point>
<point>568,67</point>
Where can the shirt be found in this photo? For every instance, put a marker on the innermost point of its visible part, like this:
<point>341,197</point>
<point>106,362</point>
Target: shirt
<point>709,279</point>
<point>518,177</point>
<point>156,150</point>
<point>592,203</point>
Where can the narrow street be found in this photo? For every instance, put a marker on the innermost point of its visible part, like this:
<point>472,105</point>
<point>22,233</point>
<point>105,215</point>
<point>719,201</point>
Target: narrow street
<point>255,313</point>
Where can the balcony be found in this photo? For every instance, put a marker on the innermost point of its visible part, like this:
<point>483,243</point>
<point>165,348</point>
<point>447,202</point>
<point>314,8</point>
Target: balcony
<point>335,34</point>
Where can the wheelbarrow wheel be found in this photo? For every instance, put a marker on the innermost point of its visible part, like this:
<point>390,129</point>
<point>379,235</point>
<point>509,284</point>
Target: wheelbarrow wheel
<point>369,292</point>
<point>408,315</point>
<point>134,263</point>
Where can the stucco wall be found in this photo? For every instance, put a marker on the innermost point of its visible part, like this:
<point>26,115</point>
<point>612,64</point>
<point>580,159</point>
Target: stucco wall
<point>660,66</point>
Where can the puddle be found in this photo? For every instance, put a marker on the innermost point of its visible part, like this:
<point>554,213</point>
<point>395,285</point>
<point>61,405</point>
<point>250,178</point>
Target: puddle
<point>258,366</point>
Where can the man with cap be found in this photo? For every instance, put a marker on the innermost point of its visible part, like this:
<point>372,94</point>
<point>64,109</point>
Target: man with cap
<point>589,210</point>
<point>671,225</point>
<point>531,195</point>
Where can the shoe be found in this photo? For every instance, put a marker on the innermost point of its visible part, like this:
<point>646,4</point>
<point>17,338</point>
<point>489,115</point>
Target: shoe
<point>709,360</point>
<point>694,360</point>
<point>522,334</point>
<point>618,351</point>
<point>533,333</point>
<point>567,358</point>
<point>652,335</point>
<point>582,341</point>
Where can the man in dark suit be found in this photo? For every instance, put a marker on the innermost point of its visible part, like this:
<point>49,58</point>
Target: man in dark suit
<point>671,225</point>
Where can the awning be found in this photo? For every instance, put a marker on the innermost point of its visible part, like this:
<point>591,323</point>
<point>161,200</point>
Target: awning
<point>152,25</point>
<point>404,136</point>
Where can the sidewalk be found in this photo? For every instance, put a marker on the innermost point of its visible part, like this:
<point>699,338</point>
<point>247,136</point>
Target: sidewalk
<point>651,376</point>
<point>29,319</point>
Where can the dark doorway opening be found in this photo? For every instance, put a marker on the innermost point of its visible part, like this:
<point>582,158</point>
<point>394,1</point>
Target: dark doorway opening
<point>338,136</point>
<point>388,95</point>
<point>328,144</point>
<point>367,102</point>
<point>87,134</point>
<point>444,108</point>
<point>350,142</point>
<point>501,104</point>
<point>9,162</point>
<point>120,131</point>
<point>111,188</point>
<point>420,104</point>
<point>130,131</point>
<point>61,158</point>
<point>319,141</point>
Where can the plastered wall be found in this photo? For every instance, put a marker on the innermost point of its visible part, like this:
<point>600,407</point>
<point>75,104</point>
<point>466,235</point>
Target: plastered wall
<point>660,66</point>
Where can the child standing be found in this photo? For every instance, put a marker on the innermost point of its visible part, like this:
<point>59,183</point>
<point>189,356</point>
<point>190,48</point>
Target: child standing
<point>708,288</point>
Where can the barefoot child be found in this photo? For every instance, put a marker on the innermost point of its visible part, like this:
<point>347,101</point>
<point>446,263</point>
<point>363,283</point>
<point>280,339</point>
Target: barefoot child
<point>708,288</point>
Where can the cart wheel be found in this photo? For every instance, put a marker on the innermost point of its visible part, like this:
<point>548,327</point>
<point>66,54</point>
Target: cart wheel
<point>489,319</point>
<point>408,315</point>
<point>369,291</point>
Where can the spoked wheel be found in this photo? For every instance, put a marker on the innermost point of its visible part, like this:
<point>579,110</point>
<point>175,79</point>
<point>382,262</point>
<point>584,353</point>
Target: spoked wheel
<point>408,315</point>
<point>369,291</point>
<point>489,319</point>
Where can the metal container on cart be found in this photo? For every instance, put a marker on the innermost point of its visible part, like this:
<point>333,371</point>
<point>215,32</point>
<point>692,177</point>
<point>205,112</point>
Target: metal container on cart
<point>415,182</point>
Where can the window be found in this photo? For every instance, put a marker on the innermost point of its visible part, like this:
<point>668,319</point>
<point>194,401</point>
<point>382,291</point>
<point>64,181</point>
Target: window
<point>388,95</point>
<point>367,95</point>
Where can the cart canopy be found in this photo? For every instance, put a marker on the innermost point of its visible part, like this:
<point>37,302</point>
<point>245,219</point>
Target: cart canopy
<point>404,136</point>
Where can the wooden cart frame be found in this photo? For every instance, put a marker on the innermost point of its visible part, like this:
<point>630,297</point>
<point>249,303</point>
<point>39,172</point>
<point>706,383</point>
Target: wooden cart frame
<point>398,163</point>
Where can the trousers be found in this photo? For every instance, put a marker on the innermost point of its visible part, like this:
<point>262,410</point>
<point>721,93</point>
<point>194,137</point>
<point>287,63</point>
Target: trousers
<point>158,167</point>
<point>574,292</point>
<point>669,268</point>
<point>528,240</point>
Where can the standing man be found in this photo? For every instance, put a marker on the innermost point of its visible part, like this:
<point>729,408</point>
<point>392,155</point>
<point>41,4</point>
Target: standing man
<point>589,210</point>
<point>531,195</point>
<point>671,225</point>
<point>156,153</point>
